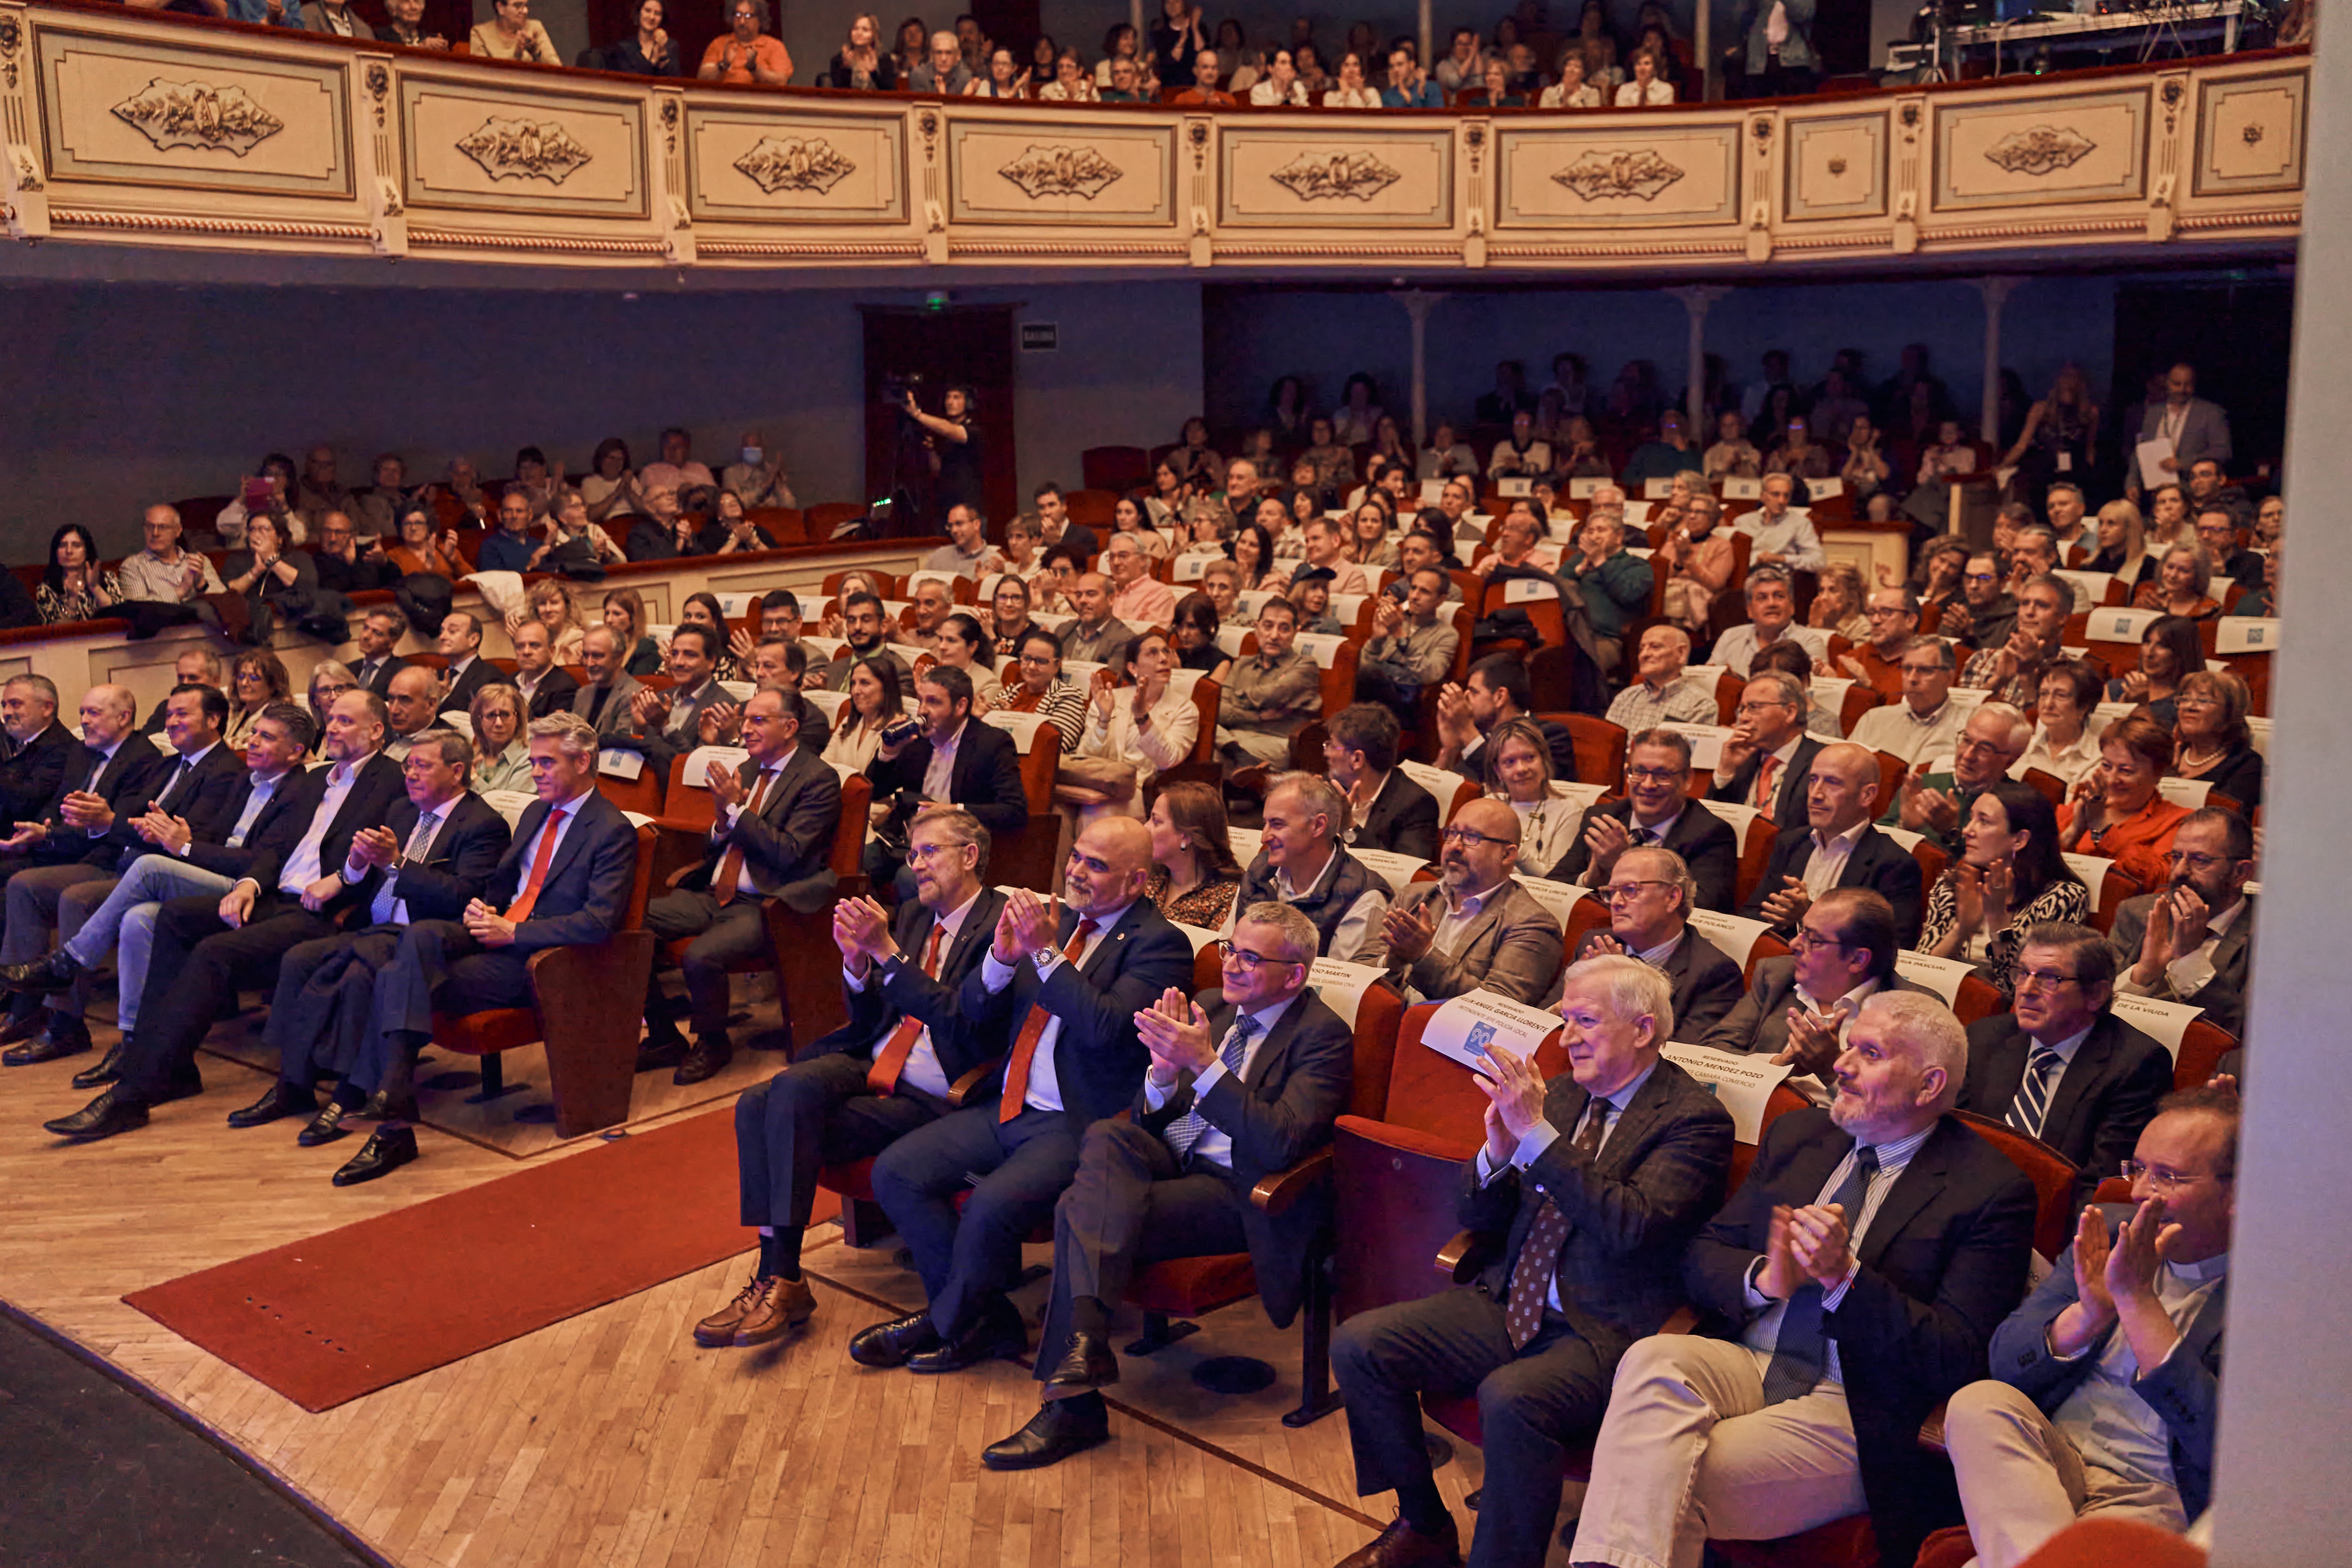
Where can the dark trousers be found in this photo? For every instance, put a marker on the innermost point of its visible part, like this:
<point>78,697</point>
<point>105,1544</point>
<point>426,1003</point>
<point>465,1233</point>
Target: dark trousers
<point>1022,1165</point>
<point>1130,1203</point>
<point>196,968</point>
<point>439,965</point>
<point>815,1113</point>
<point>1777,81</point>
<point>32,900</point>
<point>1535,1407</point>
<point>723,934</point>
<point>320,1015</point>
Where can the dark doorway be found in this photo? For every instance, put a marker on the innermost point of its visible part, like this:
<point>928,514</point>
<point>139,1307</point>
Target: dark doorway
<point>968,346</point>
<point>2234,331</point>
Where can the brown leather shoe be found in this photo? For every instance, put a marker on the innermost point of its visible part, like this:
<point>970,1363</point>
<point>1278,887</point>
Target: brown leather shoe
<point>1402,1546</point>
<point>788,1304</point>
<point>718,1329</point>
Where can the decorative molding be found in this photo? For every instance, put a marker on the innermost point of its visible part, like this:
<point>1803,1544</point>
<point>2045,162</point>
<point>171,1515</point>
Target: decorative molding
<point>28,173</point>
<point>524,150</point>
<point>198,114</point>
<point>810,251</point>
<point>176,223</point>
<point>468,239</point>
<point>12,35</point>
<point>2039,149</point>
<point>1059,170</point>
<point>795,164</point>
<point>379,84</point>
<point>1335,177</point>
<point>1600,173</point>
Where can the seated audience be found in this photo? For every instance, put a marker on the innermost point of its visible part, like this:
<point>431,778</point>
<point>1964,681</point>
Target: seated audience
<point>1922,726</point>
<point>1656,810</point>
<point>73,587</point>
<point>747,52</point>
<point>1386,808</point>
<point>1662,692</point>
<point>1039,687</point>
<point>1097,636</point>
<point>2212,741</point>
<point>2169,652</point>
<point>606,702</point>
<point>1518,775</point>
<point>1839,849</point>
<point>954,760</point>
<point>160,572</point>
<point>512,34</point>
<point>2115,812</point>
<point>1137,598</point>
<point>1767,757</point>
<point>1837,603</point>
<point>2191,940</point>
<point>257,679</point>
<point>1649,899</point>
<point>874,705</point>
<point>347,566</point>
<point>2009,880</point>
<point>2103,1401</point>
<point>1301,862</point>
<point>959,642</point>
<point>1771,615</point>
<point>195,666</point>
<point>500,717</point>
<point>2183,573</point>
<point>1696,557</point>
<point>1585,1194</point>
<point>1412,646</point>
<point>967,552</point>
<point>1193,875</point>
<point>2012,670</point>
<point>2063,745</point>
<point>466,672</point>
<point>1130,734</point>
<point>1613,582</point>
<point>1268,696</point>
<point>1496,692</point>
<point>1474,929</point>
<point>647,49</point>
<point>866,633</point>
<point>1783,533</point>
<point>1937,794</point>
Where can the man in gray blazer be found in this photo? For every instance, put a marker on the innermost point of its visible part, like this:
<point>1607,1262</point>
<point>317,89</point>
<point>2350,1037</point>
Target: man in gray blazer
<point>1799,1007</point>
<point>771,838</point>
<point>2195,426</point>
<point>1650,894</point>
<point>2193,941</point>
<point>1475,928</point>
<point>605,701</point>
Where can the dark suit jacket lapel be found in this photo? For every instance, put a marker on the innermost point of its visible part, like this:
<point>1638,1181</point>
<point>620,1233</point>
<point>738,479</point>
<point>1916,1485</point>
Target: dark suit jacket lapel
<point>1920,1182</point>
<point>978,926</point>
<point>1105,951</point>
<point>2005,1072</point>
<point>2092,1059</point>
<point>1277,1042</point>
<point>569,847</point>
<point>1676,968</point>
<point>1634,1122</point>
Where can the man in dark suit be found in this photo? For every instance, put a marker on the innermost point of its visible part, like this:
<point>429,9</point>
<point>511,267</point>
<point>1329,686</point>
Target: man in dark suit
<point>1837,847</point>
<point>179,864</point>
<point>1593,1184</point>
<point>379,633</point>
<point>606,702</point>
<point>111,779</point>
<point>1387,809</point>
<point>2061,1066</point>
<point>2192,941</point>
<point>1800,1006</point>
<point>1849,1284</point>
<point>2121,1327</point>
<point>205,947</point>
<point>197,666</point>
<point>1768,755</point>
<point>1243,1083</point>
<point>1649,899</point>
<point>1063,991</point>
<point>665,725</point>
<point>1656,808</point>
<point>546,686</point>
<point>195,785</point>
<point>956,760</point>
<point>877,1077</point>
<point>2196,427</point>
<point>468,671</point>
<point>432,855</point>
<point>37,748</point>
<point>1495,691</point>
<point>777,816</point>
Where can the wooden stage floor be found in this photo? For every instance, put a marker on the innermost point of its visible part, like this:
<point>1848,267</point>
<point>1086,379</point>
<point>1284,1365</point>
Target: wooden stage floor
<point>611,1439</point>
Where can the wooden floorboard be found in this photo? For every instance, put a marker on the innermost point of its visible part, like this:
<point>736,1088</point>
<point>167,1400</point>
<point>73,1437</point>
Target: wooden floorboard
<point>610,1439</point>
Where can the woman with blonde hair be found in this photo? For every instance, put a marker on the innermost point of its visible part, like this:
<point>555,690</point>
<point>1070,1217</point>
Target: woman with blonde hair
<point>502,747</point>
<point>625,616</point>
<point>1838,602</point>
<point>2183,577</point>
<point>2123,544</point>
<point>2211,740</point>
<point>1194,874</point>
<point>1519,774</point>
<point>330,678</point>
<point>551,605</point>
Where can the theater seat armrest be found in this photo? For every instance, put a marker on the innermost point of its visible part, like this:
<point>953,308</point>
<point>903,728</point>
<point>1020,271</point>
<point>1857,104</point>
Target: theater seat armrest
<point>1462,1258</point>
<point>680,875</point>
<point>962,1090</point>
<point>1277,1193</point>
<point>1681,1321</point>
<point>1931,1431</point>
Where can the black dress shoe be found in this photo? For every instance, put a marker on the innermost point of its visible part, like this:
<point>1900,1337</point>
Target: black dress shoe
<point>325,1127</point>
<point>25,1021</point>
<point>111,1112</point>
<point>1059,1429</point>
<point>996,1332</point>
<point>663,1046</point>
<point>708,1059</point>
<point>386,1151</point>
<point>1087,1365</point>
<point>283,1100</point>
<point>109,1068</point>
<point>1402,1546</point>
<point>43,976</point>
<point>889,1345</point>
<point>65,1036</point>
<point>382,1107</point>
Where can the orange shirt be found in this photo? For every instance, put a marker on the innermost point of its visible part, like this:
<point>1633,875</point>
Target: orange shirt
<point>734,66</point>
<point>2137,844</point>
<point>1886,678</point>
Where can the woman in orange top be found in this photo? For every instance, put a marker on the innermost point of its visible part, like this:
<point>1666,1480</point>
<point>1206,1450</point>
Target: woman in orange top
<point>2117,811</point>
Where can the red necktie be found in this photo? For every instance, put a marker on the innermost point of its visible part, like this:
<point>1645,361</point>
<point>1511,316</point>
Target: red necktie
<point>1024,1049</point>
<point>730,876</point>
<point>519,911</point>
<point>882,1078</point>
<point>1764,777</point>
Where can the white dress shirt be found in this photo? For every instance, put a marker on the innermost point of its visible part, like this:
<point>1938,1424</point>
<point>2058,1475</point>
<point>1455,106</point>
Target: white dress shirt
<point>1790,536</point>
<point>923,1069</point>
<point>938,776</point>
<point>1216,1144</point>
<point>1829,859</point>
<point>303,867</point>
<point>2189,973</point>
<point>1045,1090</point>
<point>1355,928</point>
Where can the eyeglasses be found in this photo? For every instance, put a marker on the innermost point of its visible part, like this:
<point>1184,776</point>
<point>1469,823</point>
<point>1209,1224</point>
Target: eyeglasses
<point>1885,613</point>
<point>1807,939</point>
<point>1980,576</point>
<point>1618,893</point>
<point>1654,775</point>
<point>2044,978</point>
<point>1760,704</point>
<point>1470,837</point>
<point>2160,1180</point>
<point>923,853</point>
<point>2194,861</point>
<point>1250,962</point>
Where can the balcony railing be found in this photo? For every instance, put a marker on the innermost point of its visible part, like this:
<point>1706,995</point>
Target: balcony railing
<point>132,127</point>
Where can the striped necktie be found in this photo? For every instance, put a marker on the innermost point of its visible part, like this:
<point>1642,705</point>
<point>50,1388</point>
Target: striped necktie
<point>1187,1129</point>
<point>2030,1109</point>
<point>1801,1352</point>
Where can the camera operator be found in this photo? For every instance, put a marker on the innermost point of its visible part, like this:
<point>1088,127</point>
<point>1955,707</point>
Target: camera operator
<point>953,444</point>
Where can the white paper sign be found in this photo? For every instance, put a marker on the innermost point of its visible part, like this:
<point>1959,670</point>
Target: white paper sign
<point>1737,489</point>
<point>1743,1082</point>
<point>2152,454</point>
<point>1734,936</point>
<point>2119,624</point>
<point>1707,740</point>
<point>1192,568</point>
<point>1394,868</point>
<point>1195,935</point>
<point>2245,634</point>
<point>1518,485</point>
<point>1941,976</point>
<point>1244,841</point>
<point>1470,1026</point>
<point>827,703</point>
<point>510,804</point>
<point>823,650</point>
<point>2093,870</point>
<point>1637,512</point>
<point>697,764</point>
<point>1442,783</point>
<point>1526,590</point>
<point>1581,489</point>
<point>1322,647</point>
<point>619,764</point>
<point>1432,491</point>
<point>735,606</point>
<point>1559,899</point>
<point>2167,1021</point>
<point>1229,640</point>
<point>1581,795</point>
<point>1341,985</point>
<point>2191,793</point>
<point>1822,490</point>
<point>1657,489</point>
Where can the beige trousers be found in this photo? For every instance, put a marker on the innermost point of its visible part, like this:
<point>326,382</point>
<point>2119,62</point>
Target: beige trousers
<point>1689,1451</point>
<point>2022,1480</point>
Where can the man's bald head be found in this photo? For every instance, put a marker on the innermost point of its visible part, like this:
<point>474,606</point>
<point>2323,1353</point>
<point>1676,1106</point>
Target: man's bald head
<point>1841,788</point>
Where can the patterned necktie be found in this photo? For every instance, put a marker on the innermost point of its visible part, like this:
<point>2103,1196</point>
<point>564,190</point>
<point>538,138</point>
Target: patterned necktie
<point>179,778</point>
<point>1540,1254</point>
<point>728,882</point>
<point>2031,1107</point>
<point>519,911</point>
<point>882,1077</point>
<point>1802,1353</point>
<point>1187,1129</point>
<point>386,907</point>
<point>1025,1047</point>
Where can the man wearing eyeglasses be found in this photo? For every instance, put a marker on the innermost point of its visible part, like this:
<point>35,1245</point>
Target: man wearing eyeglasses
<point>1936,795</point>
<point>1243,1084</point>
<point>2193,941</point>
<point>2107,1380</point>
<point>879,1077</point>
<point>1987,612</point>
<point>1656,809</point>
<point>1474,929</point>
<point>2060,1065</point>
<point>1583,1198</point>
<point>1800,1006</point>
<point>1649,895</point>
<point>1838,848</point>
<point>1767,756</point>
<point>2013,672</point>
<point>1060,987</point>
<point>1923,723</point>
<point>1894,616</point>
